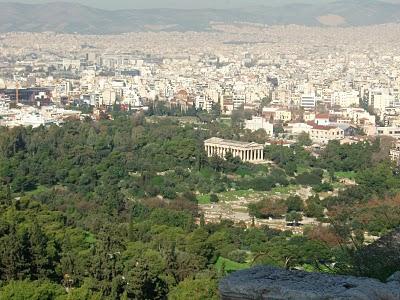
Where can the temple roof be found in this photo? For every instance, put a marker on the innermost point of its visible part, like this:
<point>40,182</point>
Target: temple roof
<point>231,143</point>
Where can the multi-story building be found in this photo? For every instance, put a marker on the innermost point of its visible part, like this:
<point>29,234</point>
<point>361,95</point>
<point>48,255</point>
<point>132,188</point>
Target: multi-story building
<point>204,102</point>
<point>345,99</point>
<point>308,101</point>
<point>395,153</point>
<point>324,134</point>
<point>389,131</point>
<point>257,123</point>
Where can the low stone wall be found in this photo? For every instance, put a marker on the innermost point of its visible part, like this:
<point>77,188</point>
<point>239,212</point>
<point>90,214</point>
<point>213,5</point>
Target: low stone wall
<point>266,282</point>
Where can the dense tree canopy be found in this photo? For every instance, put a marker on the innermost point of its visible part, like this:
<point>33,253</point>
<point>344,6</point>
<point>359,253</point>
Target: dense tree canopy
<point>108,210</point>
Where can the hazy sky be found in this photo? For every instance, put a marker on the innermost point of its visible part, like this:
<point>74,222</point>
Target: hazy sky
<point>118,4</point>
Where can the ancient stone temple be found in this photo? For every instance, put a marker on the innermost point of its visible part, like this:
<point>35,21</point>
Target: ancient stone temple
<point>248,152</point>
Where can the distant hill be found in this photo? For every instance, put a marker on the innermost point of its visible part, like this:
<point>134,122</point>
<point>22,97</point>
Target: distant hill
<point>71,17</point>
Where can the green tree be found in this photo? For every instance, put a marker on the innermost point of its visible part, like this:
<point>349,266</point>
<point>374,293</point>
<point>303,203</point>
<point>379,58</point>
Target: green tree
<point>294,203</point>
<point>294,217</point>
<point>34,290</point>
<point>214,198</point>
<point>197,289</point>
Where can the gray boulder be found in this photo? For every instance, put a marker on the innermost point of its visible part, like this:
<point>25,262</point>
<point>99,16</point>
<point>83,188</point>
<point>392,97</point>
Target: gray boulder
<point>266,282</point>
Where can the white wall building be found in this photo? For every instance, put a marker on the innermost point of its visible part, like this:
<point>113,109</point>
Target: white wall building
<point>389,131</point>
<point>308,101</point>
<point>257,123</point>
<point>345,99</point>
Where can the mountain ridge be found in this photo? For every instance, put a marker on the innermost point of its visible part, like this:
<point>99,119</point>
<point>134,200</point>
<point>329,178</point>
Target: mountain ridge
<point>66,17</point>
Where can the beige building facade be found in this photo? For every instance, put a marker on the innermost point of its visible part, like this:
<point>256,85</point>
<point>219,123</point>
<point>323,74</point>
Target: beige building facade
<point>324,134</point>
<point>395,153</point>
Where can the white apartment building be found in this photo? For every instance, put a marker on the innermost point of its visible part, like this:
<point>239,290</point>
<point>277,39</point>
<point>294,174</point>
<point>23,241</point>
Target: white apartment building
<point>380,101</point>
<point>257,123</point>
<point>204,102</point>
<point>389,131</point>
<point>298,128</point>
<point>345,99</point>
<point>308,101</point>
<point>238,101</point>
<point>358,116</point>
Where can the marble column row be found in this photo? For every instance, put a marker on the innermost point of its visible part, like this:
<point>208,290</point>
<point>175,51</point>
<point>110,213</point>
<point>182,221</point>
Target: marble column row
<point>245,155</point>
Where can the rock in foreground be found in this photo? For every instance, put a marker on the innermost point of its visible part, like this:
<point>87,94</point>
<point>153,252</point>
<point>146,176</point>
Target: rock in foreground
<point>267,282</point>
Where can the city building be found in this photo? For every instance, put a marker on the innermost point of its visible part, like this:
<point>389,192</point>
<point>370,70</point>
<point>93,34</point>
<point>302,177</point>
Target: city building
<point>389,131</point>
<point>308,101</point>
<point>324,134</point>
<point>257,123</point>
<point>395,153</point>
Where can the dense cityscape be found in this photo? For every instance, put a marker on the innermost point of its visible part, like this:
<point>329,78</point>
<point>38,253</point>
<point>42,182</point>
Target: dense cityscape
<point>151,165</point>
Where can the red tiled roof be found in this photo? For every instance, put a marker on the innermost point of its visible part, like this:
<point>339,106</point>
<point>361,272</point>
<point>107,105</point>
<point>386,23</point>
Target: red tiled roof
<point>322,116</point>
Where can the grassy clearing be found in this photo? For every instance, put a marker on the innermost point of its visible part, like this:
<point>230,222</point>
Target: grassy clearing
<point>285,190</point>
<point>303,169</point>
<point>229,265</point>
<point>349,175</point>
<point>231,196</point>
<point>235,195</point>
<point>203,199</point>
<point>40,189</point>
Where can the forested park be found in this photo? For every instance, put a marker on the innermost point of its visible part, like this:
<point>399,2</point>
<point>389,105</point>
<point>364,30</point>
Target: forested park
<point>110,209</point>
